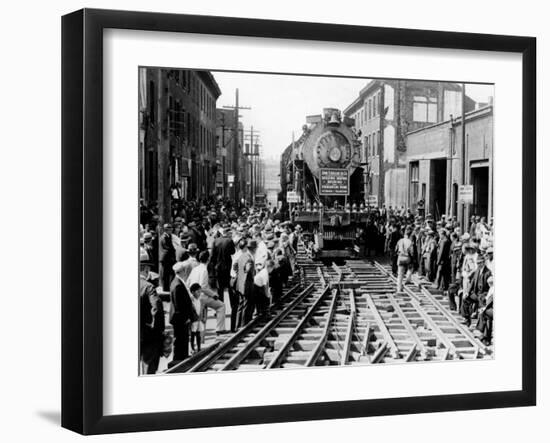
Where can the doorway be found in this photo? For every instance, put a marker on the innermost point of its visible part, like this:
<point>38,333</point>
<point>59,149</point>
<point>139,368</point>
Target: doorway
<point>480,181</point>
<point>438,187</point>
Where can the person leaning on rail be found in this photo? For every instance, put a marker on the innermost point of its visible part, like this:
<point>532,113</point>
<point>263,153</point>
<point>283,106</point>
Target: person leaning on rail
<point>199,275</point>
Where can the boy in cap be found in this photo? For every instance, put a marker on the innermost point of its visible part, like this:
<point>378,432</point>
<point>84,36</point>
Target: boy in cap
<point>199,325</point>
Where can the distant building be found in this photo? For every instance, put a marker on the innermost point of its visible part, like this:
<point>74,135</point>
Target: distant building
<point>272,182</point>
<point>384,112</point>
<point>177,135</point>
<point>229,155</point>
<point>435,165</point>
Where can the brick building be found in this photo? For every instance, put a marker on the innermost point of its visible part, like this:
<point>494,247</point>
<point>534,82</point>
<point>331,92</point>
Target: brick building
<point>435,165</point>
<point>229,155</point>
<point>272,181</point>
<point>177,135</point>
<point>384,112</point>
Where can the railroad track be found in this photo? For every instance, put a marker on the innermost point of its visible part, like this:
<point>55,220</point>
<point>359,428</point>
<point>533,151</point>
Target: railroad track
<point>346,315</point>
<point>415,324</point>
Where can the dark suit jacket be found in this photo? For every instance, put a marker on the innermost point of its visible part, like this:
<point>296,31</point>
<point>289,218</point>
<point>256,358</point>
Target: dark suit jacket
<point>245,278</point>
<point>478,283</point>
<point>181,308</point>
<point>150,336</point>
<point>444,252</point>
<point>167,253</point>
<point>220,261</point>
<point>198,237</point>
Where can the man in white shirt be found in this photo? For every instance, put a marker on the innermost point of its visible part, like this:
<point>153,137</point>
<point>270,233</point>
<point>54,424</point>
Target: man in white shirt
<point>199,275</point>
<point>261,253</point>
<point>191,262</point>
<point>262,294</point>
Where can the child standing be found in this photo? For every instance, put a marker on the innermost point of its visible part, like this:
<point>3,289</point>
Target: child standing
<point>198,326</point>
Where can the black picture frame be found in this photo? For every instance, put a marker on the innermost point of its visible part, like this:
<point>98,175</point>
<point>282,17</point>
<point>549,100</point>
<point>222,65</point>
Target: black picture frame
<point>82,219</point>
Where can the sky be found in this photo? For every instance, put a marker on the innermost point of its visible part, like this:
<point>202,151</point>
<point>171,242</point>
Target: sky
<point>280,103</point>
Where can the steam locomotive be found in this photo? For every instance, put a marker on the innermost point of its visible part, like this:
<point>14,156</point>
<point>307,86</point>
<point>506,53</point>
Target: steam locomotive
<point>322,183</point>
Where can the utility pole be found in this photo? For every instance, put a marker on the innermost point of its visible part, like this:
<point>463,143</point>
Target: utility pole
<point>224,153</point>
<point>253,152</point>
<point>236,109</point>
<point>163,192</point>
<point>464,214</point>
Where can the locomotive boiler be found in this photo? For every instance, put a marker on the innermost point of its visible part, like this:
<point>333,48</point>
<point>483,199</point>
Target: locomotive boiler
<point>322,182</point>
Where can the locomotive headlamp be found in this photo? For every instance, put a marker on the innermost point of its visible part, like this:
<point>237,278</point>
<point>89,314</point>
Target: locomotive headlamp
<point>335,154</point>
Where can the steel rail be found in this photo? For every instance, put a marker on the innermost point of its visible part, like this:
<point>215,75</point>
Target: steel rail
<point>415,302</point>
<point>380,353</point>
<point>411,354</point>
<point>352,306</point>
<point>476,344</point>
<point>278,359</point>
<point>382,326</point>
<point>347,341</point>
<point>419,345</point>
<point>366,337</point>
<point>314,356</point>
<point>480,347</point>
<point>234,361</point>
<point>350,326</point>
<point>229,343</point>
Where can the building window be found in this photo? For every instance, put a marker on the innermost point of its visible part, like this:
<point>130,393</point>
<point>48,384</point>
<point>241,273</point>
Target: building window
<point>152,100</point>
<point>369,109</point>
<point>375,106</point>
<point>425,109</point>
<point>414,179</point>
<point>367,146</point>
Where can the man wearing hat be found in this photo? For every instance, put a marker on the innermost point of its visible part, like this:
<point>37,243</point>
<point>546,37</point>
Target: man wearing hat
<point>151,319</point>
<point>196,236</point>
<point>182,313</point>
<point>456,252</point>
<point>261,254</point>
<point>245,283</point>
<point>220,262</point>
<point>152,250</point>
<point>429,249</point>
<point>167,257</point>
<point>477,290</point>
<point>443,261</point>
<point>485,322</point>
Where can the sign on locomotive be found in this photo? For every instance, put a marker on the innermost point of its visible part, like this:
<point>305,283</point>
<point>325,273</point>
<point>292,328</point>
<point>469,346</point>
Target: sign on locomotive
<point>333,181</point>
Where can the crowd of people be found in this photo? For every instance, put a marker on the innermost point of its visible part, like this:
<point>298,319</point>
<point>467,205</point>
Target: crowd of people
<point>212,250</point>
<point>458,262</point>
<point>215,250</point>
